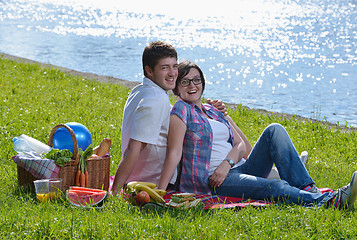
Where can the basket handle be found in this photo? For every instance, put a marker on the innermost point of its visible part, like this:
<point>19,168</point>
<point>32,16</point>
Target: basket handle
<point>74,139</point>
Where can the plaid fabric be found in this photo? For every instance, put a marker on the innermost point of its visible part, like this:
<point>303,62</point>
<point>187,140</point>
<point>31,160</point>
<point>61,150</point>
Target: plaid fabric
<point>197,144</point>
<point>39,168</point>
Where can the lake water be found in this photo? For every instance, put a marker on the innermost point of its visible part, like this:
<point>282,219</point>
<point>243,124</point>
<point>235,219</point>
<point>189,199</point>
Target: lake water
<point>296,57</point>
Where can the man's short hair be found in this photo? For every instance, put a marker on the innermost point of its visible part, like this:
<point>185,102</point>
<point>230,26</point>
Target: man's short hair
<point>156,51</point>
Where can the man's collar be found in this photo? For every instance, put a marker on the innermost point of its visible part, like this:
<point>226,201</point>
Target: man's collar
<point>149,82</point>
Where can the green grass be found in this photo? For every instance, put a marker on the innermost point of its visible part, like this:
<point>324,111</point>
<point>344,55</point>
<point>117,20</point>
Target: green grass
<point>34,99</point>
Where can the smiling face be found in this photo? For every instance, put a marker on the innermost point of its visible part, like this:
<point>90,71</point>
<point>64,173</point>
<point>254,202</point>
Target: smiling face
<point>191,93</point>
<point>164,73</point>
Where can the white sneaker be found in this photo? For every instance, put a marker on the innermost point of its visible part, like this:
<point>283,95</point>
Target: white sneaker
<point>274,173</point>
<point>304,157</point>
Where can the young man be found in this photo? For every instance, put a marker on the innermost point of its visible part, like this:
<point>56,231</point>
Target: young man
<point>146,118</point>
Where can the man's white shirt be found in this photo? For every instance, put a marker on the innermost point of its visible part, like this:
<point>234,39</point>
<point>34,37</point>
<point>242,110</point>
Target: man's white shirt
<point>146,119</point>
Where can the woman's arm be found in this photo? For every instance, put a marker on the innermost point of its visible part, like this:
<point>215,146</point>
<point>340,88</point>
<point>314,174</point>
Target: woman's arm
<point>236,129</point>
<point>175,140</point>
<point>236,154</point>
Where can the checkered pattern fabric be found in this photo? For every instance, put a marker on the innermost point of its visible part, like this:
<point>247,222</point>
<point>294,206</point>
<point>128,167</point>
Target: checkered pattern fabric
<point>39,168</point>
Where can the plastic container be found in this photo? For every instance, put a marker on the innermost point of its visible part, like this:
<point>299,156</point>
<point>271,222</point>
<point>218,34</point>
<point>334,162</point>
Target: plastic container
<point>36,145</point>
<point>22,147</point>
<point>48,189</point>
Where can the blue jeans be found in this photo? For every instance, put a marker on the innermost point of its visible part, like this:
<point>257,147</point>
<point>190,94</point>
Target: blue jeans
<point>249,180</point>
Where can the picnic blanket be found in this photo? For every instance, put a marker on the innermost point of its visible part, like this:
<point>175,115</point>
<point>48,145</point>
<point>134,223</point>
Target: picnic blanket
<point>215,201</point>
<point>39,168</point>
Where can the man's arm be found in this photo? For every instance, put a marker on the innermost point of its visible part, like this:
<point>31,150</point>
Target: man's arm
<point>127,164</point>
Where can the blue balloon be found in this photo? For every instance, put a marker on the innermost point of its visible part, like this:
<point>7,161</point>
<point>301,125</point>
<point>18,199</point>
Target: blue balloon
<point>62,138</point>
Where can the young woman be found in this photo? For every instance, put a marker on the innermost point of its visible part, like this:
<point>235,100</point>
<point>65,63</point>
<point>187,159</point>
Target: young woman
<point>217,158</point>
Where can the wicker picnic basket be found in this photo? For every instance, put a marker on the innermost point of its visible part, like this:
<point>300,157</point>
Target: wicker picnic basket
<point>98,168</point>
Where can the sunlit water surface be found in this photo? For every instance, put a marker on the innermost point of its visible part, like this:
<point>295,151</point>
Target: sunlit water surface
<point>297,57</point>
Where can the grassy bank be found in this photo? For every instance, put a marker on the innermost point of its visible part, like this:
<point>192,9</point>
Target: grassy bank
<point>34,99</point>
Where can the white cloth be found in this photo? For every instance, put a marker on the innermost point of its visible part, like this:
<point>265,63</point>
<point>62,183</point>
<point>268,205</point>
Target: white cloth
<point>220,145</point>
<point>146,119</point>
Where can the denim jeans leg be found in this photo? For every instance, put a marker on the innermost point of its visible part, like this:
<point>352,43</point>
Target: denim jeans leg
<point>275,146</point>
<point>246,186</point>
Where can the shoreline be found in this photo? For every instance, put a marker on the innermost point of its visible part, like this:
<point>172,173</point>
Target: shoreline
<point>131,84</point>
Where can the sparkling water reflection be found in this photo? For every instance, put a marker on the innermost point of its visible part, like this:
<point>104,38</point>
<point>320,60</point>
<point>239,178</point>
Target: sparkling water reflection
<point>292,56</point>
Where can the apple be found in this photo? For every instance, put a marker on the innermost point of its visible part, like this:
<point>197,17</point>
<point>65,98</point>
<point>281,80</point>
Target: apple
<point>141,198</point>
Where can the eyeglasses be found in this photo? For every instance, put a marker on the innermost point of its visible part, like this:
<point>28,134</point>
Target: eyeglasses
<point>186,82</point>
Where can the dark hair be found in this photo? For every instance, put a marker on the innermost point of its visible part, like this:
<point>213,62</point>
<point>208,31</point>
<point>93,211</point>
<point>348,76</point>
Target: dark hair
<point>184,68</point>
<point>156,51</point>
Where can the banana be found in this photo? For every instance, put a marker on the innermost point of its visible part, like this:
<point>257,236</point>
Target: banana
<point>134,183</point>
<point>152,193</point>
<point>161,192</point>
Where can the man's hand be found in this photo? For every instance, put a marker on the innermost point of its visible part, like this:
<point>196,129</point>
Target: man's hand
<point>219,105</point>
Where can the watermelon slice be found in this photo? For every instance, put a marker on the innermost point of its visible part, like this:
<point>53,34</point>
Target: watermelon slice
<point>85,189</point>
<point>86,198</point>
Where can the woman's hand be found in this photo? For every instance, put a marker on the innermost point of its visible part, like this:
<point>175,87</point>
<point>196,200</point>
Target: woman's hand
<point>220,174</point>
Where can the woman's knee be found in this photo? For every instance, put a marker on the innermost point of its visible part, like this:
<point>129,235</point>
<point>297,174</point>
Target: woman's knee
<point>274,127</point>
<point>275,131</point>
